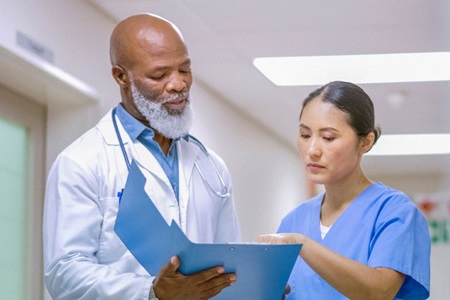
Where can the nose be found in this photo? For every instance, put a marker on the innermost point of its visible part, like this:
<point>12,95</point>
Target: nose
<point>313,148</point>
<point>177,83</point>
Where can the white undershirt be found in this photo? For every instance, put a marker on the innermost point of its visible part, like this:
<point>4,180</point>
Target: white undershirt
<point>324,230</point>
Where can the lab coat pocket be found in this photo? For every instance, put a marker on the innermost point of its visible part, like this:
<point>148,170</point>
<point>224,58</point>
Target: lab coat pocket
<point>111,247</point>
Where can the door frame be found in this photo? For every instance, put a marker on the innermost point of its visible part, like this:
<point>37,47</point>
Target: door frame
<point>32,116</point>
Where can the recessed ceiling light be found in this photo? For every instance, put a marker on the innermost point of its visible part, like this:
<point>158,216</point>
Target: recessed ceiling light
<point>412,144</point>
<point>370,68</point>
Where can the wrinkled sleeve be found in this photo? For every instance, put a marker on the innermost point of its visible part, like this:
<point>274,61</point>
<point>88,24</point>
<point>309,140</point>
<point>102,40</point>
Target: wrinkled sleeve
<point>401,242</point>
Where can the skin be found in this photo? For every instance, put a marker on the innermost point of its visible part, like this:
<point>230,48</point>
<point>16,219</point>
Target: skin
<point>150,52</point>
<point>331,152</point>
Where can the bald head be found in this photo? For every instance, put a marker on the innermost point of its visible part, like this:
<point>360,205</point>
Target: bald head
<point>144,32</point>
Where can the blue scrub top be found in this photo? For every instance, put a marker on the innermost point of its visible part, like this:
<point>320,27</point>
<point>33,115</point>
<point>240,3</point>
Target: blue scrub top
<point>381,228</point>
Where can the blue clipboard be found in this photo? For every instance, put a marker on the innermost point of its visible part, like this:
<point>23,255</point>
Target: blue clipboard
<point>262,270</point>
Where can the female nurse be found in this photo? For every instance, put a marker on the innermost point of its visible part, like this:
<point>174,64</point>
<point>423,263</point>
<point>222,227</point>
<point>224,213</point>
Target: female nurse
<point>361,239</point>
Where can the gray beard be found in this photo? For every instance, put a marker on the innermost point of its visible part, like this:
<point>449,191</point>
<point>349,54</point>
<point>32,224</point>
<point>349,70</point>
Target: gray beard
<point>171,124</point>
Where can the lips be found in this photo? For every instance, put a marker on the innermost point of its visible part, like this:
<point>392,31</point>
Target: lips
<point>178,104</point>
<point>313,167</point>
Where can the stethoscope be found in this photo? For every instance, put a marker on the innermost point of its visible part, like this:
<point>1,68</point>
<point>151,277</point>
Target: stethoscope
<point>224,193</point>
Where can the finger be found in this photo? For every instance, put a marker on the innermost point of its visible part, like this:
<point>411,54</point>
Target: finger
<point>262,238</point>
<point>217,284</point>
<point>267,238</point>
<point>224,279</point>
<point>214,291</point>
<point>287,289</point>
<point>206,275</point>
<point>175,262</point>
<point>171,267</point>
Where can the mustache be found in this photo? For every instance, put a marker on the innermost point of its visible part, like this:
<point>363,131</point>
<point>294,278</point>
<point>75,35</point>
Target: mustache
<point>176,97</point>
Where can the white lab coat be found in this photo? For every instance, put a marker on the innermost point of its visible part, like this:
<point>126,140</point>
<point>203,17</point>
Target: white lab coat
<point>83,257</point>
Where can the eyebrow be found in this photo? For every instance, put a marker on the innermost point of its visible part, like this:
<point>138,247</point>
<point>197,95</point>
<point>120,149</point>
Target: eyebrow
<point>165,67</point>
<point>321,129</point>
<point>187,62</point>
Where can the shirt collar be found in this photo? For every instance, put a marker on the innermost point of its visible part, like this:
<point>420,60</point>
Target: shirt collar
<point>131,125</point>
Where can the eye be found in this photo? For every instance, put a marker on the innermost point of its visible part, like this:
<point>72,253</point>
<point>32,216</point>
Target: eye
<point>329,139</point>
<point>304,135</point>
<point>157,77</point>
<point>185,71</point>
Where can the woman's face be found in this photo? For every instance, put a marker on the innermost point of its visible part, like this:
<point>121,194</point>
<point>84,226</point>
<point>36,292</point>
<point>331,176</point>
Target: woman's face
<point>328,145</point>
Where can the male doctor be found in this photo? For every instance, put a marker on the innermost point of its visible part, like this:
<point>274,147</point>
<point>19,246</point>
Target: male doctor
<point>83,256</point>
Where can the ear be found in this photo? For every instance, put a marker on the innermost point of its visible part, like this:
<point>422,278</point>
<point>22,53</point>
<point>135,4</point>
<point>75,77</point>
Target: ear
<point>366,143</point>
<point>120,76</point>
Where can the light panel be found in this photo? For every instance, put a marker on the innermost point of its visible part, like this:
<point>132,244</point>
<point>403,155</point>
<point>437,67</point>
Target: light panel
<point>370,68</point>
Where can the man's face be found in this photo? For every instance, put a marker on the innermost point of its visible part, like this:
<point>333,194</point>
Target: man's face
<point>160,82</point>
<point>170,116</point>
<point>161,68</point>
<point>154,66</point>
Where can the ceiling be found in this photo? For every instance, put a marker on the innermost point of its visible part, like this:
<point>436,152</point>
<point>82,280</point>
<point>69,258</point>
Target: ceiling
<point>224,37</point>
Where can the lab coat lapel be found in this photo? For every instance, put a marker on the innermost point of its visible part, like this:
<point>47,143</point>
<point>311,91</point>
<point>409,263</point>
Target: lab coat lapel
<point>135,150</point>
<point>187,155</point>
<point>149,162</point>
<point>106,128</point>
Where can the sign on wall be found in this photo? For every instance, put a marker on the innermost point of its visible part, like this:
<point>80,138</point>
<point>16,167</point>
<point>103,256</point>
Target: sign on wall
<point>436,208</point>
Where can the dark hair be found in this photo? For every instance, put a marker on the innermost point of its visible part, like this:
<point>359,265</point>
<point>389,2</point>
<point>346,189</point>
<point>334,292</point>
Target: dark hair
<point>353,101</point>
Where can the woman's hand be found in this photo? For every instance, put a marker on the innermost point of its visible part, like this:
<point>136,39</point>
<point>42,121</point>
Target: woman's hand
<point>281,238</point>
